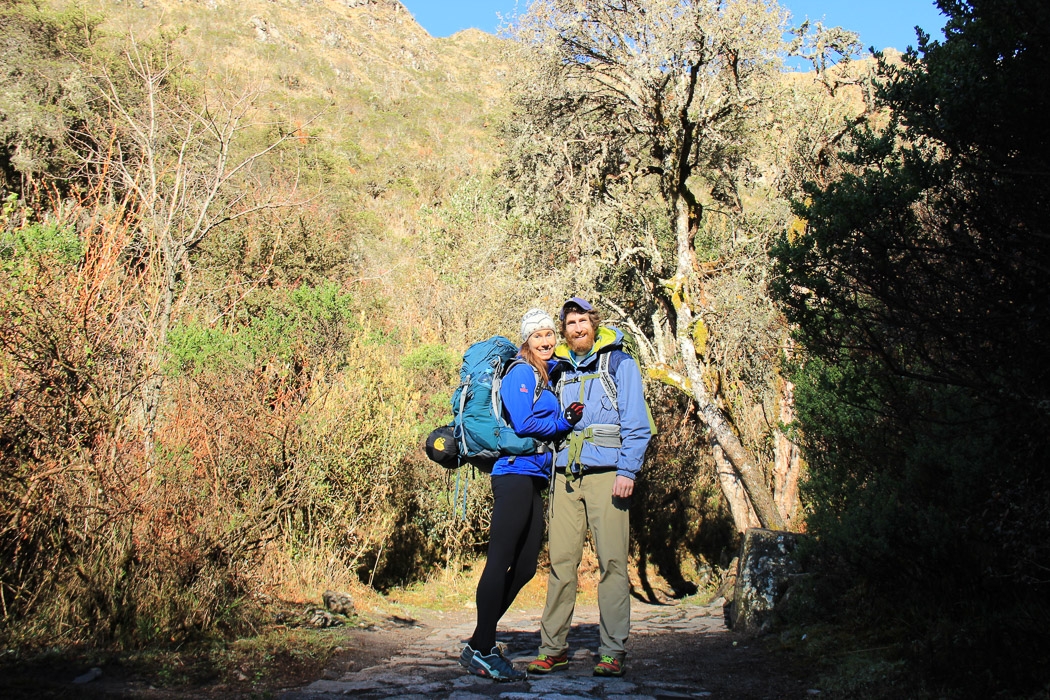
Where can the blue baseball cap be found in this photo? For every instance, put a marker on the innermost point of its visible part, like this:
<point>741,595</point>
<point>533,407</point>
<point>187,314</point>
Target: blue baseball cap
<point>580,302</point>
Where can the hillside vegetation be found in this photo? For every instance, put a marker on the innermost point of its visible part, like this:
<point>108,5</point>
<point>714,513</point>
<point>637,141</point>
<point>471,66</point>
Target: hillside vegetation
<point>212,393</point>
<point>244,247</point>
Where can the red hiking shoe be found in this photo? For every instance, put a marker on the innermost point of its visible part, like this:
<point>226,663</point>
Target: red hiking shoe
<point>545,663</point>
<point>610,666</point>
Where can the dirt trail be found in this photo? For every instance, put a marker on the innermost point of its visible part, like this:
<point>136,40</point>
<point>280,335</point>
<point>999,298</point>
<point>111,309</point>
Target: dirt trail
<point>677,650</point>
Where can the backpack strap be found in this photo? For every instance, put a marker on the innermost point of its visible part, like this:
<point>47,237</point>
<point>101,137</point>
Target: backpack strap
<point>606,373</point>
<point>458,432</point>
<point>608,364</point>
<point>497,402</point>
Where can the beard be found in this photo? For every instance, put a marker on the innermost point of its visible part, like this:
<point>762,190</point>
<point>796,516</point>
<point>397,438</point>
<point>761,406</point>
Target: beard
<point>582,344</point>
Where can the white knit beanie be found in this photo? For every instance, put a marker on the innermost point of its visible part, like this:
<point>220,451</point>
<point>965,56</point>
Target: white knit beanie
<point>535,320</point>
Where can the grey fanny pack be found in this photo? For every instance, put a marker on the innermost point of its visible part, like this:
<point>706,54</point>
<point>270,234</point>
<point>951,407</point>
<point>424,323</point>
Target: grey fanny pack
<point>598,434</point>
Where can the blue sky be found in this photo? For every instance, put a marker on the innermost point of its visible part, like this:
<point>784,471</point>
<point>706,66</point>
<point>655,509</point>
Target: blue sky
<point>880,23</point>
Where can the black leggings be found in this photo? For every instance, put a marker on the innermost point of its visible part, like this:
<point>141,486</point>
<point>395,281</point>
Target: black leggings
<point>514,545</point>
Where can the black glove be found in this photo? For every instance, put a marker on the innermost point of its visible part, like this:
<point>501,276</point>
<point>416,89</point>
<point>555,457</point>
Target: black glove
<point>574,412</point>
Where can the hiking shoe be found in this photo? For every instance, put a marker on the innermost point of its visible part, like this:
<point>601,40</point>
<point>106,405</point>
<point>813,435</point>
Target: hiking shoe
<point>493,665</point>
<point>468,651</point>
<point>609,666</point>
<point>465,656</point>
<point>545,663</point>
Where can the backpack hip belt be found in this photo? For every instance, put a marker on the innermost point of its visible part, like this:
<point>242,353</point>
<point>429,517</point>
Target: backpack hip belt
<point>598,434</point>
<point>541,449</point>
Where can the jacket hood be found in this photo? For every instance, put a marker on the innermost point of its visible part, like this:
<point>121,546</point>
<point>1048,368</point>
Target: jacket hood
<point>606,337</point>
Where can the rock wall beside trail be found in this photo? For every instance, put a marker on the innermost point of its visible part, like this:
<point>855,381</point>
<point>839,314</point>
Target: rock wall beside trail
<point>766,566</point>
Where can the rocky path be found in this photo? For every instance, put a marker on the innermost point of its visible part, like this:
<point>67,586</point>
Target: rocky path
<point>677,650</point>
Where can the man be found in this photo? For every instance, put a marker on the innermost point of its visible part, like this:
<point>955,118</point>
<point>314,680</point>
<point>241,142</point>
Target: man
<point>593,482</point>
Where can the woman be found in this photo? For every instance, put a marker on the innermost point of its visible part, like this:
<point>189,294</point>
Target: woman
<point>518,482</point>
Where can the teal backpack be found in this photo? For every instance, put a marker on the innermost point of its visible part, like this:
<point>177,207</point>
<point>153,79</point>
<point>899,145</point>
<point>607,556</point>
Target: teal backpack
<point>482,433</point>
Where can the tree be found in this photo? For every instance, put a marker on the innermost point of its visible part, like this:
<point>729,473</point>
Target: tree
<point>636,135</point>
<point>918,289</point>
<point>176,155</point>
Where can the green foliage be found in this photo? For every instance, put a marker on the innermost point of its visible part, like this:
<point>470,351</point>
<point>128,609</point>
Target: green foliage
<point>21,248</point>
<point>319,317</point>
<point>918,287</point>
<point>434,360</point>
<point>306,322</point>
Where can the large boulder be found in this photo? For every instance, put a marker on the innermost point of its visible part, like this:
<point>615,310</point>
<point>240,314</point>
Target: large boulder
<point>767,564</point>
<point>338,602</point>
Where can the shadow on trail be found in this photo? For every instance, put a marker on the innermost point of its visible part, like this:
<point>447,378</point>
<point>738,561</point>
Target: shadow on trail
<point>521,643</point>
<point>680,528</point>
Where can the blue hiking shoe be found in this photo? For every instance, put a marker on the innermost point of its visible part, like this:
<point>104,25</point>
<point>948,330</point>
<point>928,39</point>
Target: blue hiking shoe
<point>465,656</point>
<point>493,665</point>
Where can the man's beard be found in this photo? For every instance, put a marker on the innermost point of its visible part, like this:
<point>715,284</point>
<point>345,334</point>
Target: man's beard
<point>582,344</point>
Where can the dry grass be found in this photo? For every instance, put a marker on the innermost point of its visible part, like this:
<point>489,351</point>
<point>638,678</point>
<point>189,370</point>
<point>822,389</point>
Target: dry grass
<point>402,125</point>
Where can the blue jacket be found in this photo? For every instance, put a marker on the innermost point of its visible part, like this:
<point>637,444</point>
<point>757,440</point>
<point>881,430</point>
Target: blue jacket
<point>541,419</point>
<point>630,412</point>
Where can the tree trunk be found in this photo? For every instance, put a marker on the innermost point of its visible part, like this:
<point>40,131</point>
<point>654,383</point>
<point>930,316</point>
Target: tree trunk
<point>787,460</point>
<point>736,496</point>
<point>750,472</point>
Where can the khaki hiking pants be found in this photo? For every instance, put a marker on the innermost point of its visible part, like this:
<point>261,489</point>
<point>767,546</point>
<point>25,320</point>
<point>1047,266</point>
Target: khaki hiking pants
<point>587,502</point>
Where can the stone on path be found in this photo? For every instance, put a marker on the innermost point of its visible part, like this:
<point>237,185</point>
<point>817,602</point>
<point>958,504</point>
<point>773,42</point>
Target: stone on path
<point>91,675</point>
<point>338,602</point>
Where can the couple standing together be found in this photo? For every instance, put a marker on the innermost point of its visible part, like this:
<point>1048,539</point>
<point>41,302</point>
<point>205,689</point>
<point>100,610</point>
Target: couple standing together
<point>594,411</point>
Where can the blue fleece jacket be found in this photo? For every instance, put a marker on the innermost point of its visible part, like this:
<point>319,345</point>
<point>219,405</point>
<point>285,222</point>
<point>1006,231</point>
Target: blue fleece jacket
<point>630,413</point>
<point>541,419</point>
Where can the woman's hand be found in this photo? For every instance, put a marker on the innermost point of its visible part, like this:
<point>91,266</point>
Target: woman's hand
<point>574,412</point>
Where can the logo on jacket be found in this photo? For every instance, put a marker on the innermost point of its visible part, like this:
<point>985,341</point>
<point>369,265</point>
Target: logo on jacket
<point>523,389</point>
